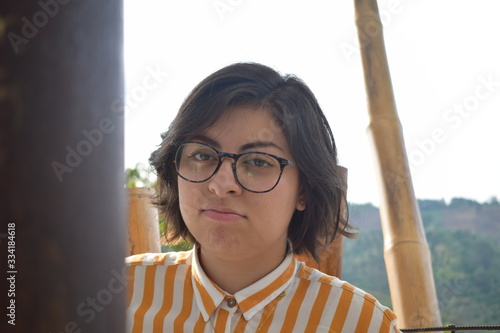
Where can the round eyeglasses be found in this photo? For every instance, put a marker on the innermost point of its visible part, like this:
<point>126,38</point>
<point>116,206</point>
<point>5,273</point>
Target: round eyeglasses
<point>254,171</point>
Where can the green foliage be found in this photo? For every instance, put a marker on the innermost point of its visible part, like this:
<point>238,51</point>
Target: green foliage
<point>140,176</point>
<point>178,246</point>
<point>462,238</point>
<point>493,202</point>
<point>363,264</point>
<point>466,270</point>
<point>461,203</point>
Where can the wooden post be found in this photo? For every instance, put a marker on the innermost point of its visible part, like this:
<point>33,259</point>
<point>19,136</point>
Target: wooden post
<point>406,252</point>
<point>143,227</point>
<point>331,258</point>
<point>61,162</point>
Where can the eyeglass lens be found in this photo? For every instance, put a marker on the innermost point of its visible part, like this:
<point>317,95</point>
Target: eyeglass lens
<point>254,171</point>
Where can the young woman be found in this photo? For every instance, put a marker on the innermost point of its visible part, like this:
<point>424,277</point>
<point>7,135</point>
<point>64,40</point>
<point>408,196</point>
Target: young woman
<point>247,172</point>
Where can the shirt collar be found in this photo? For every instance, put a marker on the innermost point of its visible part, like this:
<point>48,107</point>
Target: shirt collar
<point>208,296</point>
<point>251,299</point>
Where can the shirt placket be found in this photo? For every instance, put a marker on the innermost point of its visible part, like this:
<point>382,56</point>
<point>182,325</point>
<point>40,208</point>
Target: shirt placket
<point>227,315</point>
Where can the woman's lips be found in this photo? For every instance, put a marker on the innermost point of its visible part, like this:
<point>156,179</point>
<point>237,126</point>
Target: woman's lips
<point>220,215</point>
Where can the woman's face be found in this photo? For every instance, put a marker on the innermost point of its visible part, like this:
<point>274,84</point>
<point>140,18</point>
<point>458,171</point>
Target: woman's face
<point>228,221</point>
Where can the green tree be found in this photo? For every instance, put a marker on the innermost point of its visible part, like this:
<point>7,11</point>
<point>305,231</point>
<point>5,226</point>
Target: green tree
<point>140,176</point>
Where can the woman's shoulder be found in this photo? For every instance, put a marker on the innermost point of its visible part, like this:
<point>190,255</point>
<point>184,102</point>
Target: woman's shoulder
<point>162,259</point>
<point>353,296</point>
<point>316,276</point>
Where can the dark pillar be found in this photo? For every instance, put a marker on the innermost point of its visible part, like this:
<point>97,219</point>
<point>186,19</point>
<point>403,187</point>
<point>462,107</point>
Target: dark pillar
<point>61,160</point>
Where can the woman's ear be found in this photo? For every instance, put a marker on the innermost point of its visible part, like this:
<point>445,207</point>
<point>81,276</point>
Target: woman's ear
<point>301,201</point>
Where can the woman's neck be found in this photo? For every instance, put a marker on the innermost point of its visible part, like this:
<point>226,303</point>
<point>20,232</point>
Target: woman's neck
<point>235,275</point>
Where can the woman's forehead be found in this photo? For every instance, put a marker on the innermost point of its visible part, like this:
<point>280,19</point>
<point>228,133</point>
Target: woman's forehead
<point>244,127</point>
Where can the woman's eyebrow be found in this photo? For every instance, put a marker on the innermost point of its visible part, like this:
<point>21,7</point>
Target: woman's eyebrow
<point>205,139</point>
<point>246,146</point>
<point>259,144</point>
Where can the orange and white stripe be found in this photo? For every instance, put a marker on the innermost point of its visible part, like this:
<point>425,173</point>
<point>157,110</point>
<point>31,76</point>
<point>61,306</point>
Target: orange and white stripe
<point>170,292</point>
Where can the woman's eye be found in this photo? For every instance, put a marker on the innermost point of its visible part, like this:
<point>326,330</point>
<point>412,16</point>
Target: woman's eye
<point>201,156</point>
<point>260,163</point>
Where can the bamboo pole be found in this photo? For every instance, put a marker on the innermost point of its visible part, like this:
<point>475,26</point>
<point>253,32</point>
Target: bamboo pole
<point>406,252</point>
<point>143,227</point>
<point>331,257</point>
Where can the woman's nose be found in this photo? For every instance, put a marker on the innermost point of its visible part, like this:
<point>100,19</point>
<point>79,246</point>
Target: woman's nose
<point>224,181</point>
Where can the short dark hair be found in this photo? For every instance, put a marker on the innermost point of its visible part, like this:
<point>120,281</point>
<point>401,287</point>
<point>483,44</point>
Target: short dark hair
<point>304,125</point>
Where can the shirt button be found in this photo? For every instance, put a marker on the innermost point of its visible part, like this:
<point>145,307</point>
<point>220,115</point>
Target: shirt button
<point>231,302</point>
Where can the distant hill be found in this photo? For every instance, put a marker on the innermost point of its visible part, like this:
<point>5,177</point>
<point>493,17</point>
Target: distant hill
<point>463,239</point>
<point>459,214</point>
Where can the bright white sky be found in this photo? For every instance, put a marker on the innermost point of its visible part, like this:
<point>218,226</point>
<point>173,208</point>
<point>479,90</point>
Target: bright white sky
<point>444,58</point>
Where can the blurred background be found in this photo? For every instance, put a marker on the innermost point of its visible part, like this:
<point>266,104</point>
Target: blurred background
<point>443,58</point>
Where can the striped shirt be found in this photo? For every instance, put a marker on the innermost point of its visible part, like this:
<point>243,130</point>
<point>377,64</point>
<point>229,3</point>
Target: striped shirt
<point>169,292</point>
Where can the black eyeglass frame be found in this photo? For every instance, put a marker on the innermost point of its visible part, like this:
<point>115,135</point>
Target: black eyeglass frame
<point>283,162</point>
